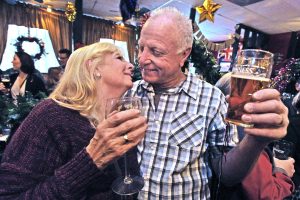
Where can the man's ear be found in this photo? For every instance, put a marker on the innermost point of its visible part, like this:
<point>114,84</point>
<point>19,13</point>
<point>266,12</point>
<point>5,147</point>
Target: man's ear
<point>185,55</point>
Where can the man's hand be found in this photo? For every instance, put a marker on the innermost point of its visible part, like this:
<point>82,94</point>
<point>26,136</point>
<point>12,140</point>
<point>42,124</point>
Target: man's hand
<point>268,114</point>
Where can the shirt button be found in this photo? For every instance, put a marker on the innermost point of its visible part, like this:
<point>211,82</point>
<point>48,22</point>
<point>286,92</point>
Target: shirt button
<point>157,122</point>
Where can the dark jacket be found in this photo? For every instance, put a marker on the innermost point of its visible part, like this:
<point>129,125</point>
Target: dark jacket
<point>293,135</point>
<point>34,84</point>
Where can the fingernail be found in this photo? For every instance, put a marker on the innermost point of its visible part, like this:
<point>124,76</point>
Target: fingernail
<point>256,95</point>
<point>246,118</point>
<point>248,107</point>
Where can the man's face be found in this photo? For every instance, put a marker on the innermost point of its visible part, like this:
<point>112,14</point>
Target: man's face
<point>63,58</point>
<point>158,55</point>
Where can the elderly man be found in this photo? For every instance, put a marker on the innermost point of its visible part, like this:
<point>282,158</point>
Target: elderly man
<point>186,132</point>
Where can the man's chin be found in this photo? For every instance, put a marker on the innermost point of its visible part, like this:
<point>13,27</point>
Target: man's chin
<point>150,79</point>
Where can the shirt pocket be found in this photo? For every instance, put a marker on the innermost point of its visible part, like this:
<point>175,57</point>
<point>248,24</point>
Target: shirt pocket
<point>186,141</point>
<point>187,130</point>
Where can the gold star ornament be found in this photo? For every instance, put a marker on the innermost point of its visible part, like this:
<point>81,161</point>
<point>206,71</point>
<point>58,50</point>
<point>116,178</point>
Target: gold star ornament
<point>207,10</point>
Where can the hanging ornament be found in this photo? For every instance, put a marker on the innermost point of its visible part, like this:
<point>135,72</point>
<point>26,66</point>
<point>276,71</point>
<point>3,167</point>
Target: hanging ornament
<point>39,42</point>
<point>70,12</point>
<point>207,10</point>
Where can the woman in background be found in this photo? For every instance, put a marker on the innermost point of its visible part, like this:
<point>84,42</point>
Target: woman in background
<point>65,148</point>
<point>25,80</point>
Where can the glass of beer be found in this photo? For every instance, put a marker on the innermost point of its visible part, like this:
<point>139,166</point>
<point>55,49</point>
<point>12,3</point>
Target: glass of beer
<point>5,80</point>
<point>251,72</point>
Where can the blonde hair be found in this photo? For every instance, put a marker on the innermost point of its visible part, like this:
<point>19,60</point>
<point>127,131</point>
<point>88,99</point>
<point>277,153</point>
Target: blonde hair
<point>77,87</point>
<point>183,25</point>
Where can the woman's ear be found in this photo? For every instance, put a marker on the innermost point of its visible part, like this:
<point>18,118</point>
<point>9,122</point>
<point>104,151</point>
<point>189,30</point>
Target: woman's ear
<point>97,73</point>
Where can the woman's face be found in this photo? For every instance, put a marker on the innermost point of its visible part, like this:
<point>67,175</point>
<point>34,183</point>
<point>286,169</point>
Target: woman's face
<point>116,74</point>
<point>16,62</point>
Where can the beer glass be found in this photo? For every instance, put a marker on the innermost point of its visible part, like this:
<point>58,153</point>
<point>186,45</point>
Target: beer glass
<point>128,184</point>
<point>5,79</point>
<point>251,72</point>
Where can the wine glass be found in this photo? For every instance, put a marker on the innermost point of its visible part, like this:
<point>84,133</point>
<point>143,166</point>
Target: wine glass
<point>127,185</point>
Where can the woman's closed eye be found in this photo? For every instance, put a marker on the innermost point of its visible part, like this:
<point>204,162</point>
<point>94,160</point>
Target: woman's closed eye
<point>120,58</point>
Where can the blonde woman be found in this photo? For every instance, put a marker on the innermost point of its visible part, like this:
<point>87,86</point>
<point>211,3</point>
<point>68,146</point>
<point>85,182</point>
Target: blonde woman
<point>64,149</point>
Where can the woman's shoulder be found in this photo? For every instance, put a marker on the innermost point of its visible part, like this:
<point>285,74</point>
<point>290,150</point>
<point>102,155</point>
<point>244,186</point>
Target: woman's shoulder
<point>35,77</point>
<point>49,106</point>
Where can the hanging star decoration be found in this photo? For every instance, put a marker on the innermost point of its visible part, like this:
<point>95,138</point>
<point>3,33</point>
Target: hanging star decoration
<point>207,10</point>
<point>70,12</point>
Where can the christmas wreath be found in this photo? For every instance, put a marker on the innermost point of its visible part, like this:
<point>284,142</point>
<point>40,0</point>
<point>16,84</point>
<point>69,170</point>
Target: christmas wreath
<point>22,39</point>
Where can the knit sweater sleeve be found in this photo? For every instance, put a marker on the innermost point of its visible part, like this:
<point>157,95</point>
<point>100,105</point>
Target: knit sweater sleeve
<point>34,165</point>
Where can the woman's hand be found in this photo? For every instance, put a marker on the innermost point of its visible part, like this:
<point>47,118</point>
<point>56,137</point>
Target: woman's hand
<point>2,87</point>
<point>110,142</point>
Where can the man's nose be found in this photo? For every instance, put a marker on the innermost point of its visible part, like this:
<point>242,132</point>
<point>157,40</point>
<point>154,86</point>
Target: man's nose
<point>143,56</point>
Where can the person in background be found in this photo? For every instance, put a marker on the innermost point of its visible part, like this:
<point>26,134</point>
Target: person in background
<point>25,80</point>
<point>293,135</point>
<point>36,72</point>
<point>63,56</point>
<point>187,135</point>
<point>78,45</point>
<point>53,77</point>
<point>275,181</point>
<point>65,148</point>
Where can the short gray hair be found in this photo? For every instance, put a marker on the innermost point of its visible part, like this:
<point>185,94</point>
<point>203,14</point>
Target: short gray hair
<point>184,25</point>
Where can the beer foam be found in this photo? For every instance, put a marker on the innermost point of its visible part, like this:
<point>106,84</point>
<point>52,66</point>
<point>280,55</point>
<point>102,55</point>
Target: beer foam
<point>246,76</point>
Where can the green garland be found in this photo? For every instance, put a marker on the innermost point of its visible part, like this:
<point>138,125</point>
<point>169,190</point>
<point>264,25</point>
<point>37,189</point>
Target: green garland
<point>205,63</point>
<point>12,113</point>
<point>22,39</point>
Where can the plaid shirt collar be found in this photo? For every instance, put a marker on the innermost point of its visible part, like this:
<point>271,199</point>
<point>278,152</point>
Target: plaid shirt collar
<point>188,86</point>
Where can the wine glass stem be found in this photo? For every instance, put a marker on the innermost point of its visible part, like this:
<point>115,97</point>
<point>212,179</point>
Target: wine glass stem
<point>127,179</point>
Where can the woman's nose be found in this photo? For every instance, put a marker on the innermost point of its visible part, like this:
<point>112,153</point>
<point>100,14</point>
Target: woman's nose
<point>130,66</point>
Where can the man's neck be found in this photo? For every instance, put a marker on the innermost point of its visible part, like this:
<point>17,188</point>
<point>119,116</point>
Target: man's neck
<point>158,88</point>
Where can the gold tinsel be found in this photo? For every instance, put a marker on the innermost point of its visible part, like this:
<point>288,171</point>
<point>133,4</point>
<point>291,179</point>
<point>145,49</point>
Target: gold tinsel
<point>70,12</point>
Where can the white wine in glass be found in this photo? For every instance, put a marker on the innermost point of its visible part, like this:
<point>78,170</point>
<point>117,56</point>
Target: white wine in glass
<point>128,184</point>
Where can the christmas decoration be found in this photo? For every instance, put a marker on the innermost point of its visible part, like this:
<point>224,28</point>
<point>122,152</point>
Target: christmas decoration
<point>70,12</point>
<point>144,18</point>
<point>204,62</point>
<point>22,39</point>
<point>207,10</point>
<point>198,35</point>
<point>290,72</point>
<point>12,112</point>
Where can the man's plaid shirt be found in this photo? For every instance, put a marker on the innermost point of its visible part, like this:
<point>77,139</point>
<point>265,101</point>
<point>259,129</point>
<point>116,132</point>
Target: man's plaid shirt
<point>173,155</point>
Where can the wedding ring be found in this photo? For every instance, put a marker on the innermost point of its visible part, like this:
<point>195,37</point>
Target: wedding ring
<point>126,138</point>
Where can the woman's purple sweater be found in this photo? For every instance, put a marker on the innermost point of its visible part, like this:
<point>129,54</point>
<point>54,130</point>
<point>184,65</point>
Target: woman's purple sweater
<point>47,159</point>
